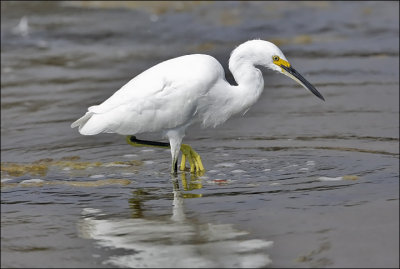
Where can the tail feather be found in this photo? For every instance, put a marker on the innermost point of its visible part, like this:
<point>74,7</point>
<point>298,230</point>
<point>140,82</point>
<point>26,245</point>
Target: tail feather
<point>82,120</point>
<point>91,124</point>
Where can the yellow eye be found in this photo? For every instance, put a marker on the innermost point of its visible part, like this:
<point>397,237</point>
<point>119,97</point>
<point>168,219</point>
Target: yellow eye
<point>275,58</point>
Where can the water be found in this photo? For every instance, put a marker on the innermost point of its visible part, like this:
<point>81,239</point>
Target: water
<point>295,182</point>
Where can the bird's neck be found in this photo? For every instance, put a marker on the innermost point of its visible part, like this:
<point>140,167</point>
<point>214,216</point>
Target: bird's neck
<point>228,99</point>
<point>249,79</point>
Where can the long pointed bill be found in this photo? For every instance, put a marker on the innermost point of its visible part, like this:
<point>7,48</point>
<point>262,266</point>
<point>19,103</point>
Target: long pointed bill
<point>293,74</point>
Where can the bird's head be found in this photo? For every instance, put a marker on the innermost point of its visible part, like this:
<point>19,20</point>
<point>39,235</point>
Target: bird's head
<point>267,54</point>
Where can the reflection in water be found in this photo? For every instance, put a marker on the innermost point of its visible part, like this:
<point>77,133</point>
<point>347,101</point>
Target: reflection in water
<point>188,185</point>
<point>172,242</point>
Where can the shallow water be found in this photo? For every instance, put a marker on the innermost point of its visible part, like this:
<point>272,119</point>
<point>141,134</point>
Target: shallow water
<point>295,182</point>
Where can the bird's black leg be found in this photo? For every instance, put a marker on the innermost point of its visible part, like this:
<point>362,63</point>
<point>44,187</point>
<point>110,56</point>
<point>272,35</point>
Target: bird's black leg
<point>132,140</point>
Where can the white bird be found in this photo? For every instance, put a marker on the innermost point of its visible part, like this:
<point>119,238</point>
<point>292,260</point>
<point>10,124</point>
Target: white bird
<point>176,93</point>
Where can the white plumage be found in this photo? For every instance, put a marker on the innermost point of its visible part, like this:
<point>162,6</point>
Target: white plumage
<point>176,93</point>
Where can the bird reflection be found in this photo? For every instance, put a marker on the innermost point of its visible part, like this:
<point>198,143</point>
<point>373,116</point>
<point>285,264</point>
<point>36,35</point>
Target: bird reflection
<point>193,183</point>
<point>136,202</point>
<point>139,196</point>
<point>178,213</point>
<point>175,241</point>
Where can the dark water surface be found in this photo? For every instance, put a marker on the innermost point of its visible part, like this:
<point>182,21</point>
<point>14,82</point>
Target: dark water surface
<point>295,182</point>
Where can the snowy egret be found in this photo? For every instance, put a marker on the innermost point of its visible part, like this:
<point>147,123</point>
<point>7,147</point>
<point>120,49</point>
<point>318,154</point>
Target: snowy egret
<point>176,93</point>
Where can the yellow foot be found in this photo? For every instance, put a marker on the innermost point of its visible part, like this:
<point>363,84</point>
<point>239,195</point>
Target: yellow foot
<point>193,157</point>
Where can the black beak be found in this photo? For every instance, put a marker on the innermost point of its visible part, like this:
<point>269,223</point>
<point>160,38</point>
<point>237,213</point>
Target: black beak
<point>292,73</point>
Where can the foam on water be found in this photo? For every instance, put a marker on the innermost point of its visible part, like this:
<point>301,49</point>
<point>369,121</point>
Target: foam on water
<point>96,176</point>
<point>130,155</point>
<point>227,164</point>
<point>310,163</point>
<point>33,180</point>
<point>147,150</point>
<point>238,171</point>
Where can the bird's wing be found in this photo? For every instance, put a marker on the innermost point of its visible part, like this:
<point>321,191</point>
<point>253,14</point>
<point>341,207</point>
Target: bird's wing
<point>163,97</point>
<point>141,87</point>
<point>104,117</point>
<point>133,109</point>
